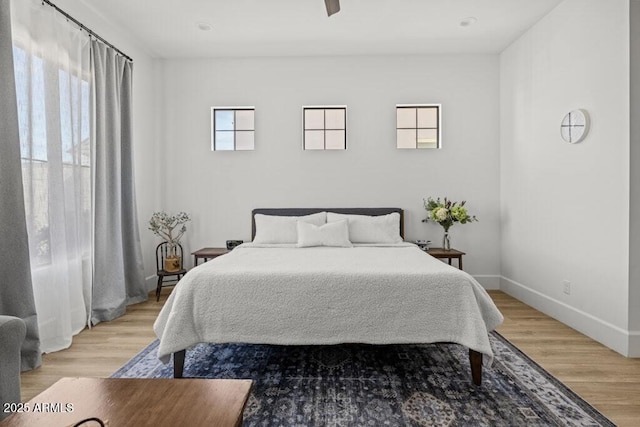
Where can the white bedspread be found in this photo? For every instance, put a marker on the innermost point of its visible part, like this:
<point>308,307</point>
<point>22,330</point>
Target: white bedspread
<point>284,295</point>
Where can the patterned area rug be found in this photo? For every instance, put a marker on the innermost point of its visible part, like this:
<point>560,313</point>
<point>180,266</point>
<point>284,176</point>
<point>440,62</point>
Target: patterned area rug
<point>390,385</point>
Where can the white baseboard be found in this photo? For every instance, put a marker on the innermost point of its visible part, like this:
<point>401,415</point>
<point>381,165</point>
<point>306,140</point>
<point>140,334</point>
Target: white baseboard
<point>488,281</point>
<point>624,342</point>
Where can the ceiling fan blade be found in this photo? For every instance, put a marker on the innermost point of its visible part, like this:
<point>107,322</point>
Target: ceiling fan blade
<point>333,6</point>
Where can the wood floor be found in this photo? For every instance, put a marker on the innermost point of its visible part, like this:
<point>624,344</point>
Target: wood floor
<point>605,379</point>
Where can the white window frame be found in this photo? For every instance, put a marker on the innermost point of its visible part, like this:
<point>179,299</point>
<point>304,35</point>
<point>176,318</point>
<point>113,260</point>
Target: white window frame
<point>439,125</point>
<point>234,109</point>
<point>325,129</point>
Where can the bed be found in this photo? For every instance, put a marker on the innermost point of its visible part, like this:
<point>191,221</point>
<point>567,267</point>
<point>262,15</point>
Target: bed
<point>323,277</point>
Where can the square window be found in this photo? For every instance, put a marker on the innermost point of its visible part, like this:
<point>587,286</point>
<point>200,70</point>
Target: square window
<point>232,128</point>
<point>324,128</point>
<point>418,126</point>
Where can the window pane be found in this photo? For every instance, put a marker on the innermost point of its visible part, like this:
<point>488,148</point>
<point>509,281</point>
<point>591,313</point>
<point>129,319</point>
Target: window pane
<point>244,140</point>
<point>38,120</point>
<point>84,131</point>
<point>224,140</point>
<point>405,117</point>
<point>314,140</point>
<point>20,64</point>
<point>427,138</point>
<point>244,120</point>
<point>335,118</point>
<point>335,140</point>
<point>313,119</point>
<point>86,191</point>
<point>66,116</point>
<point>406,138</point>
<point>224,120</point>
<point>428,117</point>
<point>85,152</point>
<point>36,201</point>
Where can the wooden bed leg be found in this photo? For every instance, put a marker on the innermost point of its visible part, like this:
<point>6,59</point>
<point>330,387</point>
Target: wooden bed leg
<point>178,363</point>
<point>475,359</point>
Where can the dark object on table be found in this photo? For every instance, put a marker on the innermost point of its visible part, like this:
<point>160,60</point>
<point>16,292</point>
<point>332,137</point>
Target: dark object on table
<point>233,243</point>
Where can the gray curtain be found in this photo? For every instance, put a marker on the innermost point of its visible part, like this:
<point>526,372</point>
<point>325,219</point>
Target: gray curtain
<point>118,275</point>
<point>16,293</point>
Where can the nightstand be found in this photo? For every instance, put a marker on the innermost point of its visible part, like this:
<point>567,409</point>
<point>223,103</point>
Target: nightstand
<point>444,254</point>
<point>207,254</point>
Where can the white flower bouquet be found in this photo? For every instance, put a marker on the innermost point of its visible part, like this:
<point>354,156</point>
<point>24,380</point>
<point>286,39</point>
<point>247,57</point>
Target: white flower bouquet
<point>446,213</point>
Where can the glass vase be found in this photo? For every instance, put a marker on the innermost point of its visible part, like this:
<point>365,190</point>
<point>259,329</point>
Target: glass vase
<point>446,242</point>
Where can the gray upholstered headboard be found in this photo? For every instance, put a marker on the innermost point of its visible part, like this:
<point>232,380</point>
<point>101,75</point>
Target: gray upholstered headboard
<point>308,211</point>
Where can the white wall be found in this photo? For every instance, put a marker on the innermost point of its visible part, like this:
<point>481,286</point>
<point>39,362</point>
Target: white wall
<point>565,207</point>
<point>145,114</point>
<point>220,189</point>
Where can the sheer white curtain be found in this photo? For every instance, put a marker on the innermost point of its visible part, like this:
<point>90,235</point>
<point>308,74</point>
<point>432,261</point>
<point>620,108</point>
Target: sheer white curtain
<point>53,82</point>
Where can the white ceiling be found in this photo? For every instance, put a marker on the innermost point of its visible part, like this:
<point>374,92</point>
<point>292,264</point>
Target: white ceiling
<point>168,28</point>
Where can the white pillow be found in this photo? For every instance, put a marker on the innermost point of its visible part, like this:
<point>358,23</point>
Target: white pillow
<point>333,234</point>
<point>371,229</point>
<point>282,229</point>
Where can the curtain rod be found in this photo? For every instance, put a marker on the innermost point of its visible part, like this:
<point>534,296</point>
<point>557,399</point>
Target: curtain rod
<point>83,27</point>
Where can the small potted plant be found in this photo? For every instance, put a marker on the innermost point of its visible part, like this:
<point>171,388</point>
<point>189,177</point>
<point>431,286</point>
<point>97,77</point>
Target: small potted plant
<point>446,213</point>
<point>164,226</point>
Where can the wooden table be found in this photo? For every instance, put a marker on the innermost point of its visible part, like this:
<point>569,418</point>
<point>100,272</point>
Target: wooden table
<point>447,254</point>
<point>136,402</point>
<point>208,253</point>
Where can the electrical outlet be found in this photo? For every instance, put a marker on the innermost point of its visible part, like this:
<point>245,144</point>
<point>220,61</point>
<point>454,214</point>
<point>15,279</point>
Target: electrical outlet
<point>566,287</point>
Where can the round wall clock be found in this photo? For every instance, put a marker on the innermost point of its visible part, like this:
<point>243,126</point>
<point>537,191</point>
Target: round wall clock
<point>575,126</point>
